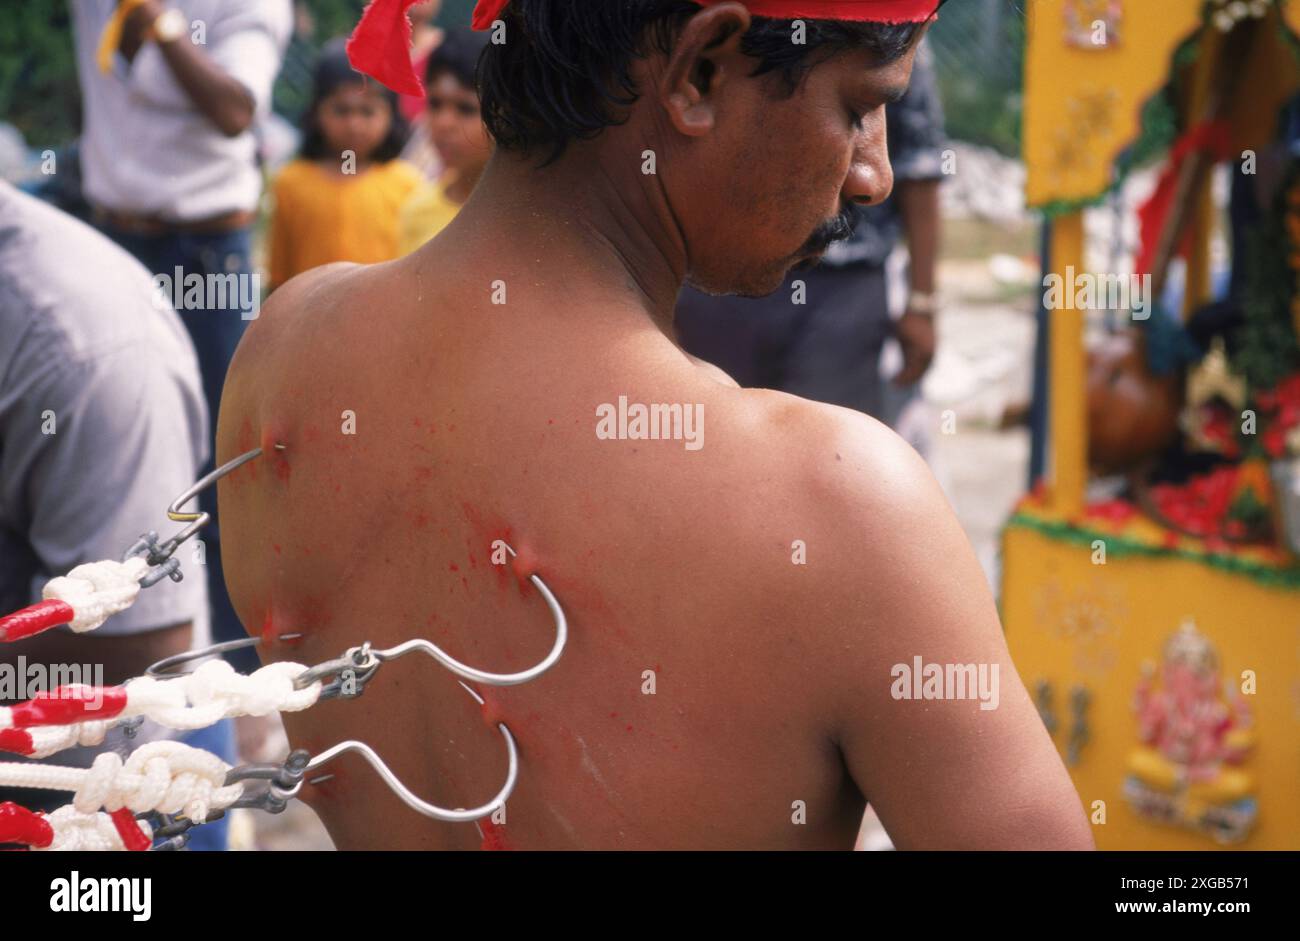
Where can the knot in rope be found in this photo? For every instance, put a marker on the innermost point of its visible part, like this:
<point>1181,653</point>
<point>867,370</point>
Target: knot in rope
<point>168,777</point>
<point>98,590</point>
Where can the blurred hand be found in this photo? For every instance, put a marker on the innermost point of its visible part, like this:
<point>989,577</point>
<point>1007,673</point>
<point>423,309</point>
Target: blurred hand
<point>915,333</point>
<point>136,28</point>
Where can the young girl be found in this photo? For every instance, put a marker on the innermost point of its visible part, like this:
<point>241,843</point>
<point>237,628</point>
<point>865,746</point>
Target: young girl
<point>456,126</point>
<point>339,201</point>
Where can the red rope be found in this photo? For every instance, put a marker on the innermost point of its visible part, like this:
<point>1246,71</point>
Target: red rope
<point>69,704</point>
<point>16,741</point>
<point>35,618</point>
<point>20,825</point>
<point>133,837</point>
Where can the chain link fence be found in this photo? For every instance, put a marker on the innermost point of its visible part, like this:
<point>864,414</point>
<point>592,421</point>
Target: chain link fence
<point>979,51</point>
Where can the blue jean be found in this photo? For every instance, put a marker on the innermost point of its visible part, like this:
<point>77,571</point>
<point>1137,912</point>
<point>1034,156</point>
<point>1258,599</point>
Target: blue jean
<point>220,740</point>
<point>216,333</point>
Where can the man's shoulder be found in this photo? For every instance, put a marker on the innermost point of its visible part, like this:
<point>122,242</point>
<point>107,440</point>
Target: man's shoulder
<point>829,453</point>
<point>837,480</point>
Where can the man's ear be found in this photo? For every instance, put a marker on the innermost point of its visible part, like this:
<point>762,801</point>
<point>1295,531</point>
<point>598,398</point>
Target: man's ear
<point>706,56</point>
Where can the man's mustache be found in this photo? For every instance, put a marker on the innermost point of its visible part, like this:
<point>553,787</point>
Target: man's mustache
<point>832,230</point>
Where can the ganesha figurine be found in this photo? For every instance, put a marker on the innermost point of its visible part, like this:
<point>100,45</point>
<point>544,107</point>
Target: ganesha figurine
<point>1186,772</point>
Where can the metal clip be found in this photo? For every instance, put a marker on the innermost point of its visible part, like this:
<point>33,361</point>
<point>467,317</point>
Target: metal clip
<point>159,554</point>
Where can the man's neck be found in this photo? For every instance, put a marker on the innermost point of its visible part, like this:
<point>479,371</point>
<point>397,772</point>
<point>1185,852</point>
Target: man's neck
<point>619,225</point>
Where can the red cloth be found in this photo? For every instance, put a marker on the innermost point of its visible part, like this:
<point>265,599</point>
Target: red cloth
<point>412,106</point>
<point>1213,136</point>
<point>874,11</point>
<point>380,46</point>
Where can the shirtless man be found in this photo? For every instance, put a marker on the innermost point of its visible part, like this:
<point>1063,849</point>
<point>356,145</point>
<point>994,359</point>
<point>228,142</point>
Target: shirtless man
<point>715,693</point>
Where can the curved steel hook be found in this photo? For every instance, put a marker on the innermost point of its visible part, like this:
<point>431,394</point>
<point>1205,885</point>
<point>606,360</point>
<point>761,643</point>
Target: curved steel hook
<point>162,670</point>
<point>482,676</point>
<point>407,797</point>
<point>201,519</point>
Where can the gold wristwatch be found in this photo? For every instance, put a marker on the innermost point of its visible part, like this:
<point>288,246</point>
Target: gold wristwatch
<point>169,26</point>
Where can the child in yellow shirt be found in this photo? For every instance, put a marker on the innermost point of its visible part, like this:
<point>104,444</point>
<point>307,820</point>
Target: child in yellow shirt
<point>456,127</point>
<point>340,199</point>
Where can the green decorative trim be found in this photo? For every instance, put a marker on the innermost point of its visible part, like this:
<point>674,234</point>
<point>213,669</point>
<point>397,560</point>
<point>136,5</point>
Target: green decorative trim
<point>1122,546</point>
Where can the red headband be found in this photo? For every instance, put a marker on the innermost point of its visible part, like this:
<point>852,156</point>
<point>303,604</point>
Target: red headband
<point>380,46</point>
<point>869,11</point>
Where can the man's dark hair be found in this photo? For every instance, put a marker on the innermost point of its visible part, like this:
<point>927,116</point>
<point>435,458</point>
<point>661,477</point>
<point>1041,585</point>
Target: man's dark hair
<point>457,55</point>
<point>333,70</point>
<point>566,64</point>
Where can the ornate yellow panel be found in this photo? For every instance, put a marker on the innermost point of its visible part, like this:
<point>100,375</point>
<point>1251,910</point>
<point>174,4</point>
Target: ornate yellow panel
<point>1082,98</point>
<point>1172,688</point>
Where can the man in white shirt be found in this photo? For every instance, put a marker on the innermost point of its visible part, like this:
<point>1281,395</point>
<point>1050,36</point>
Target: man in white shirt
<point>102,424</point>
<point>172,92</point>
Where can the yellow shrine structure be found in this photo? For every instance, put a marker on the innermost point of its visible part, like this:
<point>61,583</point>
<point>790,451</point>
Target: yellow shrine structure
<point>1167,667</point>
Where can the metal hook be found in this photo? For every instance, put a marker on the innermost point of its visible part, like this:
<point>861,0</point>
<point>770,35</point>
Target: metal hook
<point>162,669</point>
<point>407,797</point>
<point>480,676</point>
<point>363,661</point>
<point>160,554</point>
<point>285,782</point>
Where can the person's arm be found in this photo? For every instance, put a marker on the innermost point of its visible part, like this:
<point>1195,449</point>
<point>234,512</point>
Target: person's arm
<point>916,145</point>
<point>122,658</point>
<point>896,580</point>
<point>223,99</point>
<point>918,207</point>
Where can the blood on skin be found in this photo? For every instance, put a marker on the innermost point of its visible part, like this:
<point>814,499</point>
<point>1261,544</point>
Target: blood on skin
<point>493,714</point>
<point>268,625</point>
<point>524,563</point>
<point>271,436</point>
<point>494,837</point>
<point>486,532</point>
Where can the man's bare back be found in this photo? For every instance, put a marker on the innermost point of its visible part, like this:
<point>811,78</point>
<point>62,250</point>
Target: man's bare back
<point>735,609</point>
<point>471,424</point>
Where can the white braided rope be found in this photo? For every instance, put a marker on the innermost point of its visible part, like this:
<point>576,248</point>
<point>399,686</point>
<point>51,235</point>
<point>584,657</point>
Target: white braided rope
<point>215,691</point>
<point>49,739</point>
<point>168,777</point>
<point>98,590</point>
<point>76,831</point>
